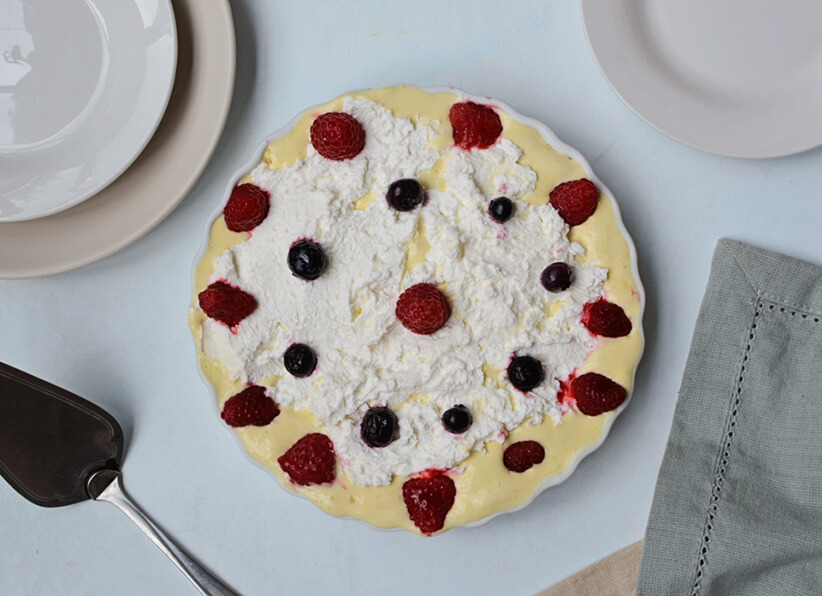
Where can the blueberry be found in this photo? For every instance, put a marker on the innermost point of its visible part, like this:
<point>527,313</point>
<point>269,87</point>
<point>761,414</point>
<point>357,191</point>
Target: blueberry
<point>457,420</point>
<point>378,427</point>
<point>556,277</point>
<point>306,259</point>
<point>525,372</point>
<point>300,360</point>
<point>501,209</point>
<point>405,194</point>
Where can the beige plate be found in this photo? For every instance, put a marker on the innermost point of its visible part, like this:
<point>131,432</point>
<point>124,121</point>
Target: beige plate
<point>163,174</point>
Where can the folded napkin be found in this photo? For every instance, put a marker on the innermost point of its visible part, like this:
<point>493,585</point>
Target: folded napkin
<point>738,503</point>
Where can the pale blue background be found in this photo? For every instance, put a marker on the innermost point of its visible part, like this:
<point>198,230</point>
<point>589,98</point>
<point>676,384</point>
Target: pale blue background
<point>116,331</point>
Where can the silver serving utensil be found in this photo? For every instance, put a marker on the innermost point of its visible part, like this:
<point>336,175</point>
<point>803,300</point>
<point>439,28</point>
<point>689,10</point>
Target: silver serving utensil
<point>57,448</point>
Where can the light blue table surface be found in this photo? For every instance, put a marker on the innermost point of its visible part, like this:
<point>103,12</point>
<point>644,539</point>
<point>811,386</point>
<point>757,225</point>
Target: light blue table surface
<point>115,332</point>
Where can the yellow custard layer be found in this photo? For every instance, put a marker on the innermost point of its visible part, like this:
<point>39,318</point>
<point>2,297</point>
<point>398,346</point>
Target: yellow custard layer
<point>484,486</point>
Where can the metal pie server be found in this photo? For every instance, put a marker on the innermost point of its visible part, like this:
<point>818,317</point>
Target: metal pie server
<point>57,449</point>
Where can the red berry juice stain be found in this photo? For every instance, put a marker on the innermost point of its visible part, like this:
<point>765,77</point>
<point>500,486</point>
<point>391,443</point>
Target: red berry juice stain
<point>430,473</point>
<point>564,394</point>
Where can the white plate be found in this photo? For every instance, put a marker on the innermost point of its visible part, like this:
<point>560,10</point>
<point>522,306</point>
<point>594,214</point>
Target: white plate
<point>83,86</point>
<point>163,173</point>
<point>741,78</point>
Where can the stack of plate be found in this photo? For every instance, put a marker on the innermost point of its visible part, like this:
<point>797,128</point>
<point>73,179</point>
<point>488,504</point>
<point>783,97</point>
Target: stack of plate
<point>109,112</point>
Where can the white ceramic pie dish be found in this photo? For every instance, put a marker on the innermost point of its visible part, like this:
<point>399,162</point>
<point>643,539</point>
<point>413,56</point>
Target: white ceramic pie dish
<point>554,142</point>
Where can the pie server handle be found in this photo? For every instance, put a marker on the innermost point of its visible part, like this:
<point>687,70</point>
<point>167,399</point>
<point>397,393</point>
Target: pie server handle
<point>105,485</point>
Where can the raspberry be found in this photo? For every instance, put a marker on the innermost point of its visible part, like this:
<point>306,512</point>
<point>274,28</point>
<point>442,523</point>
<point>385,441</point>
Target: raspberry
<point>310,460</point>
<point>428,500</point>
<point>250,407</point>
<point>227,304</point>
<point>474,125</point>
<point>606,319</point>
<point>337,136</point>
<point>423,309</point>
<point>523,455</point>
<point>575,201</point>
<point>246,208</point>
<point>595,394</point>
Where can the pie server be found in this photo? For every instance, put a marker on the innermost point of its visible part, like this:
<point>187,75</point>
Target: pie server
<point>57,449</point>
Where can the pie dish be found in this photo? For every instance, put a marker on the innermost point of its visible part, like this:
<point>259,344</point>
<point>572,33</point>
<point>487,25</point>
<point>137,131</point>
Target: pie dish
<point>417,308</point>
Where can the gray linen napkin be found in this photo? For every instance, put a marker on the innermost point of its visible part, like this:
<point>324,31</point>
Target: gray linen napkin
<point>738,502</point>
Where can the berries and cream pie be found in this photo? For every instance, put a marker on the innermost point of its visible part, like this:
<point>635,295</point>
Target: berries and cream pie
<point>417,309</point>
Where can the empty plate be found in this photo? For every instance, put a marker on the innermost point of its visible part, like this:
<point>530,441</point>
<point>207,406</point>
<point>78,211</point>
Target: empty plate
<point>83,86</point>
<point>741,78</point>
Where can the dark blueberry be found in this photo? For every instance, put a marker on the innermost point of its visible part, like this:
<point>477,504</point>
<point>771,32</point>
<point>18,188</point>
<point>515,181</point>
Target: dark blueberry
<point>457,420</point>
<point>405,194</point>
<point>379,427</point>
<point>525,372</point>
<point>300,360</point>
<point>556,277</point>
<point>501,209</point>
<point>306,259</point>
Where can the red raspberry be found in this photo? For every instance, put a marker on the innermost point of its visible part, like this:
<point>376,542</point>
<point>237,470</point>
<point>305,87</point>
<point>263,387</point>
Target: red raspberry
<point>227,304</point>
<point>606,319</point>
<point>474,125</point>
<point>595,394</point>
<point>523,455</point>
<point>575,201</point>
<point>250,407</point>
<point>310,460</point>
<point>337,136</point>
<point>423,309</point>
<point>246,208</point>
<point>428,500</point>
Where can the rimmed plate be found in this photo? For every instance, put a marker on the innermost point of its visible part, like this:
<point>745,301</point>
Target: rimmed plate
<point>163,173</point>
<point>83,86</point>
<point>731,77</point>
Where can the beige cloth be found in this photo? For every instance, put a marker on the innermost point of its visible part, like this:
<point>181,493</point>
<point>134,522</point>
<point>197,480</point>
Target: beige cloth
<point>615,575</point>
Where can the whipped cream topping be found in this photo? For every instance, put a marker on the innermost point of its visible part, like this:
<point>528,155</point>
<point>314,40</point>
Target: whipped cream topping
<point>490,273</point>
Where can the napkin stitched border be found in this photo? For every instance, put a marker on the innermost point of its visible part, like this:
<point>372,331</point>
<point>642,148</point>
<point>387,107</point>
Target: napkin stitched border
<point>723,458</point>
<point>763,287</point>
